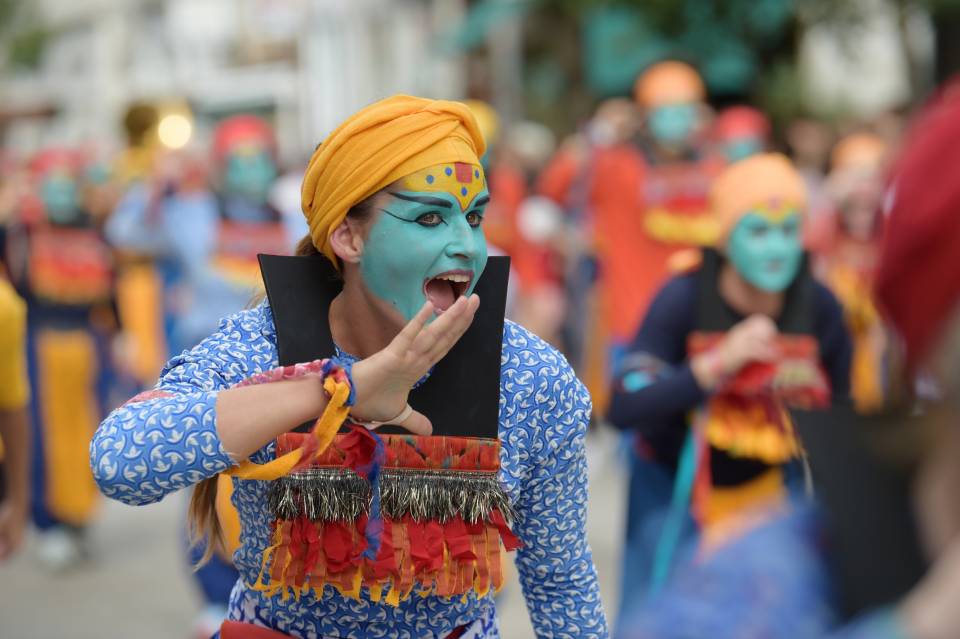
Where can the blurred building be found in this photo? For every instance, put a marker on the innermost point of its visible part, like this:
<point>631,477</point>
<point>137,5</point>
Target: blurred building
<point>305,63</point>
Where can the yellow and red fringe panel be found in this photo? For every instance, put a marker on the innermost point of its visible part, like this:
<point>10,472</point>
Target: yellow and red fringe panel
<point>442,518</point>
<point>748,417</point>
<point>395,514</point>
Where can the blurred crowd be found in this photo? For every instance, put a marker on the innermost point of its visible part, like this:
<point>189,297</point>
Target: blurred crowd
<point>125,259</point>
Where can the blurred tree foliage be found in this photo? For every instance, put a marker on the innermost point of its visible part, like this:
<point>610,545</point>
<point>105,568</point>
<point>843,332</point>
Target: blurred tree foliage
<point>746,49</point>
<point>22,35</point>
<point>735,44</point>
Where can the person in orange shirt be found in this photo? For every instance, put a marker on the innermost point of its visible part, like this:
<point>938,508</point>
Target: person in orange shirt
<point>847,248</point>
<point>639,184</point>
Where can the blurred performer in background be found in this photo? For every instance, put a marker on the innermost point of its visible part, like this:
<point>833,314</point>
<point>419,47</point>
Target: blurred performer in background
<point>529,228</point>
<point>809,142</point>
<point>739,132</point>
<point>14,424</point>
<point>642,197</point>
<point>206,241</point>
<point>918,286</point>
<point>847,248</point>
<point>63,267</point>
<point>720,353</point>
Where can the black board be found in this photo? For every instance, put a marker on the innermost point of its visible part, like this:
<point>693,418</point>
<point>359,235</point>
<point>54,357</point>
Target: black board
<point>462,395</point>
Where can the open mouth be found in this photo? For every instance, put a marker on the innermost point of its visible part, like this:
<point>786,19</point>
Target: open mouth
<point>445,288</point>
<point>774,266</point>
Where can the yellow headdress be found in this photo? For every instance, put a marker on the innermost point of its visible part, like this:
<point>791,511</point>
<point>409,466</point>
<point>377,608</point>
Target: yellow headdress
<point>378,145</point>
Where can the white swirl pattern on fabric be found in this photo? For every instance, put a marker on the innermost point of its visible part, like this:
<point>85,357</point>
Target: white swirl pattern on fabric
<point>145,450</point>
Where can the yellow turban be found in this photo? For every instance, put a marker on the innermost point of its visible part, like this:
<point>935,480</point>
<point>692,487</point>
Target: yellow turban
<point>766,181</point>
<point>377,146</point>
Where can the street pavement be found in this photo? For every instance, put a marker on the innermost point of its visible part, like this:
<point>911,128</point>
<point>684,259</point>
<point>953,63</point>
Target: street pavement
<point>138,583</point>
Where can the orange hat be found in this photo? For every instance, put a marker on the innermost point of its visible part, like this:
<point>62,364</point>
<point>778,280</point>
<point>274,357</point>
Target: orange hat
<point>377,146</point>
<point>766,181</point>
<point>670,82</point>
<point>859,151</point>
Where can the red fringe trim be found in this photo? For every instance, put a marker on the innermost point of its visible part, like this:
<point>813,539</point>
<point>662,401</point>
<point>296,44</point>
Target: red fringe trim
<point>433,452</point>
<point>449,559</point>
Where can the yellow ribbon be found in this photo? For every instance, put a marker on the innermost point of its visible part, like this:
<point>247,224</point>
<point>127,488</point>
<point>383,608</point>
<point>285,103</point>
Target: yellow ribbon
<point>324,430</point>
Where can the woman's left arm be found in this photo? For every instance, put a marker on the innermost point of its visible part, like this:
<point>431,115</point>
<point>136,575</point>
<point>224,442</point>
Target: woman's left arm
<point>556,566</point>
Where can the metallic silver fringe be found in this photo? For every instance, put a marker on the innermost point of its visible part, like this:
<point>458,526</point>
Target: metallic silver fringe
<point>339,494</point>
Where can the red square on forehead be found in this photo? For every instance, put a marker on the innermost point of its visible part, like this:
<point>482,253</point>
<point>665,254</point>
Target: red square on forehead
<point>464,172</point>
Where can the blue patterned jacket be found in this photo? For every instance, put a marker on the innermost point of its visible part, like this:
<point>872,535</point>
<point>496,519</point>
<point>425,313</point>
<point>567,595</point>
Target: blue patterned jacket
<point>147,449</point>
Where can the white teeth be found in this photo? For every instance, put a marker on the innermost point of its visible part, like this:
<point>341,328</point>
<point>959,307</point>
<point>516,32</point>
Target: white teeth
<point>454,277</point>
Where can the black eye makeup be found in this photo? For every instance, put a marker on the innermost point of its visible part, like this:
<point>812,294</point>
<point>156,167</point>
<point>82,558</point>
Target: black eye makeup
<point>430,219</point>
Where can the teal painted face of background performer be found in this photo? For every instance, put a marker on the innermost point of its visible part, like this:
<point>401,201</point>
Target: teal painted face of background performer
<point>250,175</point>
<point>673,123</point>
<point>426,245</point>
<point>59,195</point>
<point>741,148</point>
<point>767,252</point>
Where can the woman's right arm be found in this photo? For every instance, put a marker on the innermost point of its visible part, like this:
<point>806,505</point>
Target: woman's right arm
<point>172,437</point>
<point>194,425</point>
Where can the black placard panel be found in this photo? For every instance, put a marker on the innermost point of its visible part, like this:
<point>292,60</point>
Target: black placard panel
<point>461,396</point>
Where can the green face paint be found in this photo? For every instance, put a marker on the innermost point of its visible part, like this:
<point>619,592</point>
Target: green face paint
<point>249,175</point>
<point>60,198</point>
<point>425,244</point>
<point>673,123</point>
<point>740,148</point>
<point>767,253</point>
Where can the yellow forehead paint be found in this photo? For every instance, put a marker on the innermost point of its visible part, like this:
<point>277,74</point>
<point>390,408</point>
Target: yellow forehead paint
<point>776,212</point>
<point>459,179</point>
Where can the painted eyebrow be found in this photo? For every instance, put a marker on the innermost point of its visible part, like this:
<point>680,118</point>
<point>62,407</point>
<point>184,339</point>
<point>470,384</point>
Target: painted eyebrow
<point>481,202</point>
<point>423,199</point>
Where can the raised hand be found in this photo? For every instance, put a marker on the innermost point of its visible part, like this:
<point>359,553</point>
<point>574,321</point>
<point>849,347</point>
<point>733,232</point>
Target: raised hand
<point>752,340</point>
<point>383,380</point>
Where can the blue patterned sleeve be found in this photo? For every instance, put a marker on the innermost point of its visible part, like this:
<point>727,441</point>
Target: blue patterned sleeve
<point>555,563</point>
<point>166,439</point>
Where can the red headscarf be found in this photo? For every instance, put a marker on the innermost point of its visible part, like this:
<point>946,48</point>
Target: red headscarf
<point>741,121</point>
<point>241,130</point>
<point>918,283</point>
<point>56,158</point>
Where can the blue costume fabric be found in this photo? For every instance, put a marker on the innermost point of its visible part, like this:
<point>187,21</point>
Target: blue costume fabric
<point>181,232</point>
<point>45,318</point>
<point>146,450</point>
<point>653,394</point>
<point>774,583</point>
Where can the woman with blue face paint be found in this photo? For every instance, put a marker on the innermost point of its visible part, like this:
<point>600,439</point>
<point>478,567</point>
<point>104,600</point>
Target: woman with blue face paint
<point>715,345</point>
<point>394,199</point>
